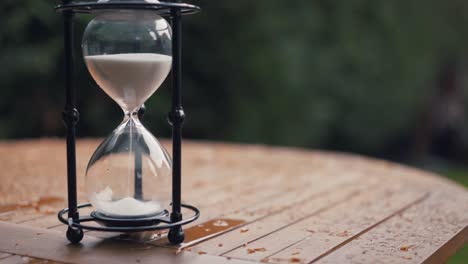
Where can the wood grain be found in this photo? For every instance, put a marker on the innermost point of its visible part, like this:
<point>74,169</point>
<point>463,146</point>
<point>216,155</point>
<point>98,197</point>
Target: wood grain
<point>416,235</point>
<point>274,222</point>
<point>318,234</point>
<point>12,259</point>
<point>4,255</point>
<point>291,206</point>
<point>51,245</point>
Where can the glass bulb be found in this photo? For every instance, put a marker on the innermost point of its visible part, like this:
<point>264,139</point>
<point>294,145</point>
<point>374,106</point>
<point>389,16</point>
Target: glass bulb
<point>128,53</point>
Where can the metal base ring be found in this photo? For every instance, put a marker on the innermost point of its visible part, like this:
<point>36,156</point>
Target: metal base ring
<point>160,223</point>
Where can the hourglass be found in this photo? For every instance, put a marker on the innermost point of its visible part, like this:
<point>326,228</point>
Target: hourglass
<point>128,53</point>
<point>129,50</point>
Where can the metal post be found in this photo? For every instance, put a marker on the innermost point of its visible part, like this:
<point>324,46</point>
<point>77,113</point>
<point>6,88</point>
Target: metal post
<point>176,118</point>
<point>70,117</point>
<point>70,114</point>
<point>138,191</point>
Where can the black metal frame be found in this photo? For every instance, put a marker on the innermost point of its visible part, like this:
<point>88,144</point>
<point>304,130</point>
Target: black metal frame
<point>127,226</point>
<point>176,116</point>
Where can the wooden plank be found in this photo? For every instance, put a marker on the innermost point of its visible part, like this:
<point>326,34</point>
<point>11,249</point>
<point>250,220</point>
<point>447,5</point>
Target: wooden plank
<point>23,240</point>
<point>243,215</point>
<point>4,255</point>
<point>313,248</point>
<point>43,222</point>
<point>12,259</point>
<point>247,195</point>
<point>202,172</point>
<point>51,220</point>
<point>242,170</point>
<point>252,212</point>
<point>199,163</point>
<point>320,233</point>
<point>244,183</point>
<point>255,190</point>
<point>256,175</point>
<point>251,207</point>
<point>37,170</point>
<point>60,228</point>
<point>15,259</point>
<point>442,254</point>
<point>428,232</point>
<point>281,194</point>
<point>268,199</point>
<point>22,215</point>
<point>274,222</point>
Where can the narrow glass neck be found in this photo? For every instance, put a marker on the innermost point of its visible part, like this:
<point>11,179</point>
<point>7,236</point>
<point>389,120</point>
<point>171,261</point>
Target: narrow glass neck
<point>131,114</point>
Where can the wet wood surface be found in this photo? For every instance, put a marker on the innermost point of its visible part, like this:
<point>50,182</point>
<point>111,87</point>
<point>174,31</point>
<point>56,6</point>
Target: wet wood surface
<point>258,203</point>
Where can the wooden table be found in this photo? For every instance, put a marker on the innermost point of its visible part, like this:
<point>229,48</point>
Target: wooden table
<point>261,204</point>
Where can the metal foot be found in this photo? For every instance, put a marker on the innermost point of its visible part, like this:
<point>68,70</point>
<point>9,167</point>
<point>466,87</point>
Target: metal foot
<point>176,235</point>
<point>74,235</point>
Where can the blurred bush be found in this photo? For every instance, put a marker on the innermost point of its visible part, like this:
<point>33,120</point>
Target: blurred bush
<point>351,75</point>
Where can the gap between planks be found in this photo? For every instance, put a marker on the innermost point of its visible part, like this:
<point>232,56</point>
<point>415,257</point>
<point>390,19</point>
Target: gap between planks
<point>225,192</point>
<point>245,212</point>
<point>248,213</point>
<point>428,232</point>
<point>4,255</point>
<point>276,221</point>
<point>16,259</point>
<point>49,245</point>
<point>254,212</point>
<point>320,233</point>
<point>370,227</point>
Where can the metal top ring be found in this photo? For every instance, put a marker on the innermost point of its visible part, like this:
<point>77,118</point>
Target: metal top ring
<point>162,8</point>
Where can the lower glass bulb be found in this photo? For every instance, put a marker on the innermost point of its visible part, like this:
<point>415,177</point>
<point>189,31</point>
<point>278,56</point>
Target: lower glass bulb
<point>129,173</point>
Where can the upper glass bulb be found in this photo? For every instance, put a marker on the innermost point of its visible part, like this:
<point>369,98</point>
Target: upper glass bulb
<point>128,53</point>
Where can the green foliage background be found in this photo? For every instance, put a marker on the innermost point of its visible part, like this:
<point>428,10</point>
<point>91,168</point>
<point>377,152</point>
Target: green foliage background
<point>349,75</point>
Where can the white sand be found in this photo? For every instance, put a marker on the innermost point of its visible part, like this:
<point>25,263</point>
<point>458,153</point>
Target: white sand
<point>128,206</point>
<point>130,79</point>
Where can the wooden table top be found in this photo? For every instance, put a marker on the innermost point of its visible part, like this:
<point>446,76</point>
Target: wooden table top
<point>258,203</point>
